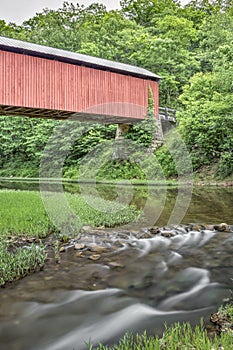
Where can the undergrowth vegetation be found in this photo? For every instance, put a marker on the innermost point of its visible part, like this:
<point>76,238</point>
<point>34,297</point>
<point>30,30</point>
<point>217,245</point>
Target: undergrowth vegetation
<point>179,336</point>
<point>17,263</point>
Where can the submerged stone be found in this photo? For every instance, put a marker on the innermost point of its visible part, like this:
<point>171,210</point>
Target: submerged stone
<point>79,246</point>
<point>98,249</point>
<point>94,257</point>
<point>115,264</point>
<point>62,249</point>
<point>80,255</point>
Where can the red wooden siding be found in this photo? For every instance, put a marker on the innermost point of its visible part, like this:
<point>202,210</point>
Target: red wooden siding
<point>33,82</point>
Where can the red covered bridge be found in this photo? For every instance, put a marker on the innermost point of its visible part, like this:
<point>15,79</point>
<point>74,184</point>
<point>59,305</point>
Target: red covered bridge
<point>40,81</point>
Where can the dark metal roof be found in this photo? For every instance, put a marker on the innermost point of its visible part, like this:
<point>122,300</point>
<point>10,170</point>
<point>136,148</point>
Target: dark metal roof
<point>27,48</point>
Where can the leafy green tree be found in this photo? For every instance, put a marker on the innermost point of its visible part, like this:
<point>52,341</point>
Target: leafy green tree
<point>62,28</point>
<point>175,64</point>
<point>110,38</point>
<point>215,32</point>
<point>143,11</point>
<point>7,30</point>
<point>189,46</point>
<point>91,137</point>
<point>178,29</point>
<point>206,122</point>
<point>22,142</point>
<point>144,132</point>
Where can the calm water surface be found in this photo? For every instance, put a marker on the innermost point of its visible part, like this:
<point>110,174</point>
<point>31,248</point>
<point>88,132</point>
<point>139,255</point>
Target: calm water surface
<point>201,205</point>
<point>139,282</point>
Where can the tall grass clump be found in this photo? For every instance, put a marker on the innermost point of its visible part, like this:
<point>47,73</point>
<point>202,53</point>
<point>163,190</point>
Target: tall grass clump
<point>23,213</point>
<point>177,337</point>
<point>99,212</point>
<point>17,263</point>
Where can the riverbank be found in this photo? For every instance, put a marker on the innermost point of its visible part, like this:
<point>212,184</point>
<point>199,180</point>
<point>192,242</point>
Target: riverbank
<point>182,336</point>
<point>25,223</point>
<point>196,181</point>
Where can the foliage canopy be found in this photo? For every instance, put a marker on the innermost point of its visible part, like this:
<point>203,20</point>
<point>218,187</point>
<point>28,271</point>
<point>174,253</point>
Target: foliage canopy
<point>190,46</point>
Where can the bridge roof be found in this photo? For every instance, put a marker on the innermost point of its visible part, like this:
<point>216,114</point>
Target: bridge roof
<point>31,49</point>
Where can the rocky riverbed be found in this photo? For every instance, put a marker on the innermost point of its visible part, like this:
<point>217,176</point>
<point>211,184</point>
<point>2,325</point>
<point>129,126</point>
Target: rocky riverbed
<point>117,280</point>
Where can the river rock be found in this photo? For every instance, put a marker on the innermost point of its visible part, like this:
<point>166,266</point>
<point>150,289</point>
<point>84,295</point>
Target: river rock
<point>168,234</point>
<point>197,227</point>
<point>86,228</point>
<point>80,255</point>
<point>222,227</point>
<point>94,257</point>
<point>115,264</point>
<point>118,244</point>
<point>62,249</point>
<point>180,229</point>
<point>209,227</point>
<point>32,240</point>
<point>98,249</point>
<point>222,322</point>
<point>154,230</point>
<point>143,235</point>
<point>48,278</point>
<point>79,246</point>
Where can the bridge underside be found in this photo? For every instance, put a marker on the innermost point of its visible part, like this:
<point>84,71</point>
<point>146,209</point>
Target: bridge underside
<point>66,115</point>
<point>49,87</point>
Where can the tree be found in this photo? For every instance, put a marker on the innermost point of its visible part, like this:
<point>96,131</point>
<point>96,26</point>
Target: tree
<point>189,46</point>
<point>174,64</point>
<point>62,28</point>
<point>107,37</point>
<point>143,11</point>
<point>8,30</point>
<point>214,33</point>
<point>206,121</point>
<point>22,142</point>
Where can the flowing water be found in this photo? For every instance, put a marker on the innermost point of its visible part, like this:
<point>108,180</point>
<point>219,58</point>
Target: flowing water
<point>125,278</point>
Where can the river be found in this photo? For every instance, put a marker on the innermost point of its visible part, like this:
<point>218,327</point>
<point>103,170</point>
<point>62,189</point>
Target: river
<point>139,281</point>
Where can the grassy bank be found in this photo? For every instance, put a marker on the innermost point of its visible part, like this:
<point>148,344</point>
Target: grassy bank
<point>23,212</point>
<point>25,222</point>
<point>181,337</point>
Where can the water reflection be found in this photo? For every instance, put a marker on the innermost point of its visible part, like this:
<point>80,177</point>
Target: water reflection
<point>208,205</point>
